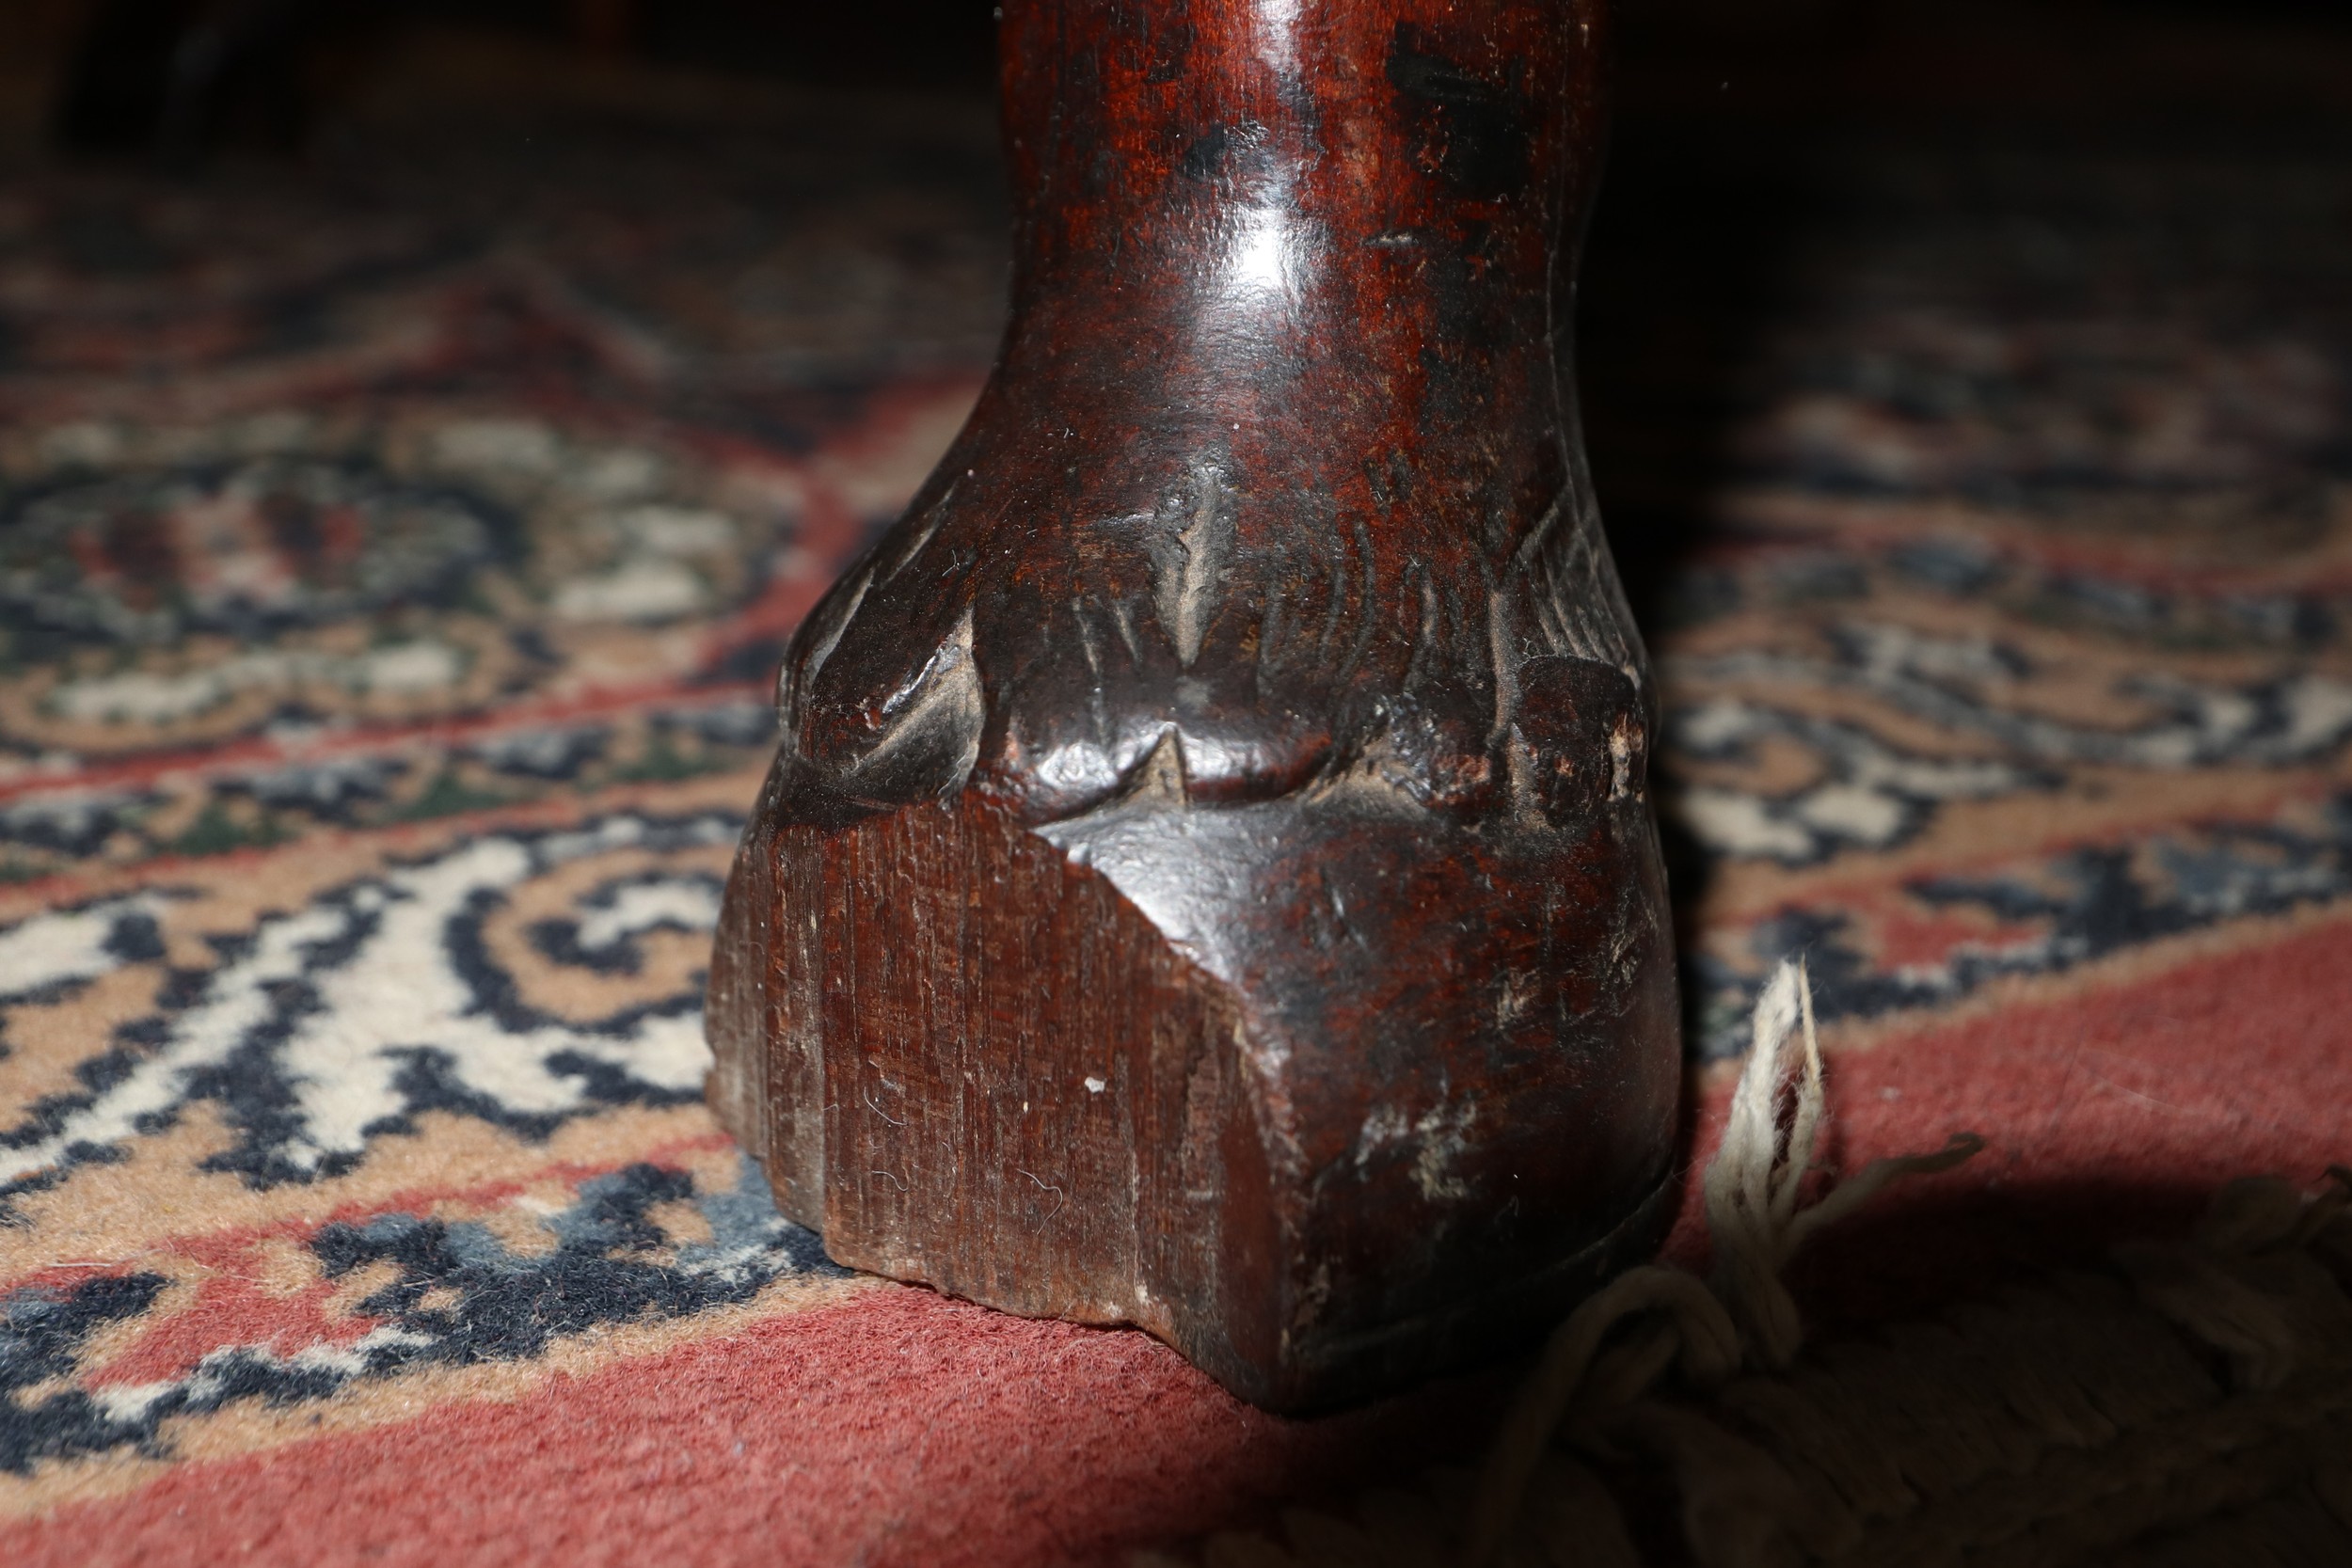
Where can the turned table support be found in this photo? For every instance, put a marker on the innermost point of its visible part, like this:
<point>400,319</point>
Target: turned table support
<point>1207,879</point>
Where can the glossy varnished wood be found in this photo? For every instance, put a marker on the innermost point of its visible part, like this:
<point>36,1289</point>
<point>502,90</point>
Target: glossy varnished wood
<point>1207,879</point>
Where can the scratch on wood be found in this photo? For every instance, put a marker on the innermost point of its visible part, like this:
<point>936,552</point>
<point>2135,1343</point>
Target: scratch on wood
<point>1367,619</point>
<point>1426,638</point>
<point>830,622</point>
<point>1098,702</point>
<point>1336,604</point>
<point>1123,618</point>
<point>936,716</point>
<point>1159,780</point>
<point>921,538</point>
<point>1188,558</point>
<point>1506,664</point>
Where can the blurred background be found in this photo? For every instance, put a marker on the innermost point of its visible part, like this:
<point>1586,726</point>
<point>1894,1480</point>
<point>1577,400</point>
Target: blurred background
<point>773,198</point>
<point>271,74</point>
<point>592,337</point>
<point>424,422</point>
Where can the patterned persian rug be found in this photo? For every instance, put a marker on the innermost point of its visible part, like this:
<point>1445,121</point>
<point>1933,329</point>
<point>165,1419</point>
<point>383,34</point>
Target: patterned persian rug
<point>393,558</point>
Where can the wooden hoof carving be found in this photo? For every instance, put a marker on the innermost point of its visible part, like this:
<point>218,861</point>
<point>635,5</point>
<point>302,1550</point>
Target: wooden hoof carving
<point>1206,881</point>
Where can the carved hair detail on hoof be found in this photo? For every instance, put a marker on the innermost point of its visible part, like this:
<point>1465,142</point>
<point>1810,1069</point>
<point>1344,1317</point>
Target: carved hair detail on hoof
<point>1208,879</point>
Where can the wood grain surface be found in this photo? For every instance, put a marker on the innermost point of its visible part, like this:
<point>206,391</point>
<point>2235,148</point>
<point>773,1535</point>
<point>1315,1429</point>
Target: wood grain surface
<point>1207,881</point>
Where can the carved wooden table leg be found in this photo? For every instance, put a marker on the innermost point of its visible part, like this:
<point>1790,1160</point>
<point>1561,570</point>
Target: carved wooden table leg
<point>1206,881</point>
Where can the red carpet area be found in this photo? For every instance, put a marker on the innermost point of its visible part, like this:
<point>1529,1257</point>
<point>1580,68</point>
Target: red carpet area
<point>394,554</point>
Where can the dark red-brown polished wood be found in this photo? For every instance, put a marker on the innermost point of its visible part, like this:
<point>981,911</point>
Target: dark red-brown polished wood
<point>1207,879</point>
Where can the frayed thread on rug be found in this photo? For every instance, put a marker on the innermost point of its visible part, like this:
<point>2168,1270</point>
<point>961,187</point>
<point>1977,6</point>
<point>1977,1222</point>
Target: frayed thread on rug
<point>2192,1405</point>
